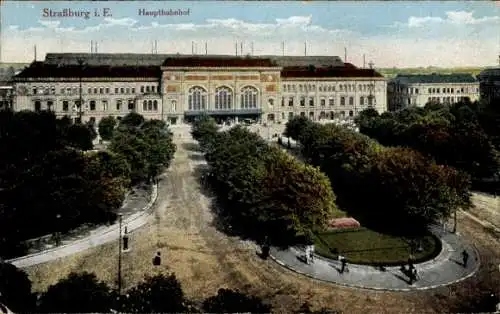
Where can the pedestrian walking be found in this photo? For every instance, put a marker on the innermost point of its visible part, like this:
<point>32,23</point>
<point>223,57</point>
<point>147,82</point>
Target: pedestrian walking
<point>465,258</point>
<point>308,254</point>
<point>157,259</point>
<point>311,253</point>
<point>411,261</point>
<point>343,264</point>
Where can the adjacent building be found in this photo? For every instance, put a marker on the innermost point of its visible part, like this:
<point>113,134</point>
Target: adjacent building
<point>177,88</point>
<point>417,90</point>
<point>489,85</point>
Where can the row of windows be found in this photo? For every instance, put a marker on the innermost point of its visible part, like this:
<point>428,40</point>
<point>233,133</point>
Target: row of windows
<point>94,90</point>
<point>451,90</point>
<point>363,100</point>
<point>327,88</point>
<point>198,98</point>
<point>322,115</point>
<point>446,100</point>
<point>148,105</point>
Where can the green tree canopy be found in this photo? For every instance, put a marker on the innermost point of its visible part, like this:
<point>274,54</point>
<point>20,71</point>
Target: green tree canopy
<point>78,293</point>
<point>229,301</point>
<point>15,289</point>
<point>106,127</point>
<point>157,294</point>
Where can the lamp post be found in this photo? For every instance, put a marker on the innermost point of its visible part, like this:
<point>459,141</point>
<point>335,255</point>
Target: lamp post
<point>58,222</point>
<point>120,216</point>
<point>80,101</point>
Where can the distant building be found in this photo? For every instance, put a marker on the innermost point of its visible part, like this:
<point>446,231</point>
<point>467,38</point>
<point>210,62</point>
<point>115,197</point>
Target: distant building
<point>490,85</point>
<point>178,88</point>
<point>417,90</point>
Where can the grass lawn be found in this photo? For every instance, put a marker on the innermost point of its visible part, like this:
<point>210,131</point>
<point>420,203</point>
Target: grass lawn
<point>364,246</point>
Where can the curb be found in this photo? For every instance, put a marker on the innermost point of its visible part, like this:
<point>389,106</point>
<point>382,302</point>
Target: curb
<point>357,286</point>
<point>353,286</point>
<point>111,229</point>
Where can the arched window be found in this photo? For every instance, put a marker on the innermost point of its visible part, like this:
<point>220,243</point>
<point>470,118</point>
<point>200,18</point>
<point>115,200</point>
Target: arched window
<point>150,105</point>
<point>145,105</point>
<point>248,97</point>
<point>197,99</point>
<point>223,98</point>
<point>155,105</point>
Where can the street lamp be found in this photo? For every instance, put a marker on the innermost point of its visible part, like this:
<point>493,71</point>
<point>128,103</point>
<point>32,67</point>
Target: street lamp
<point>120,216</point>
<point>58,223</point>
<point>80,101</point>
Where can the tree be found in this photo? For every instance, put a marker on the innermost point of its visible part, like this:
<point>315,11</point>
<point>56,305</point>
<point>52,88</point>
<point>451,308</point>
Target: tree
<point>296,126</point>
<point>79,136</point>
<point>78,293</point>
<point>158,294</point>
<point>15,289</point>
<point>132,119</point>
<point>412,190</point>
<point>204,130</point>
<point>229,301</point>
<point>106,127</point>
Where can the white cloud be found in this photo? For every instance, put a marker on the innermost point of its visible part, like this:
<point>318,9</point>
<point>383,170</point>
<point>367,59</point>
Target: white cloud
<point>49,24</point>
<point>411,46</point>
<point>415,21</point>
<point>457,18</point>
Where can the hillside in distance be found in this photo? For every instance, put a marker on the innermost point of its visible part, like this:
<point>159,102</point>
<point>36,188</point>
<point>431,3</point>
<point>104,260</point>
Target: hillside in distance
<point>392,72</point>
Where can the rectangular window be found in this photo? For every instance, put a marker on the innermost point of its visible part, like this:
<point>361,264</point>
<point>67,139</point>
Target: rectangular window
<point>290,102</point>
<point>65,105</point>
<point>89,91</point>
<point>437,91</point>
<point>131,104</point>
<point>116,90</point>
<point>370,101</point>
<point>342,101</point>
<point>323,102</point>
<point>311,102</point>
<point>133,90</point>
<point>302,101</point>
<point>416,90</point>
<point>101,90</point>
<point>147,89</point>
<point>95,90</point>
<point>107,90</point>
<point>142,89</point>
<point>118,105</point>
<point>105,105</point>
<point>122,90</point>
<point>430,91</point>
<point>53,90</point>
<point>282,101</point>
<point>331,102</point>
<point>351,101</point>
<point>452,90</point>
<point>127,90</point>
<point>92,105</point>
<point>361,100</point>
<point>50,103</point>
<point>38,105</point>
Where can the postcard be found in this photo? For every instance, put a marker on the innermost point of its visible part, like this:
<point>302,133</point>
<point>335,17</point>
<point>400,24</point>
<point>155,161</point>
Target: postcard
<point>121,211</point>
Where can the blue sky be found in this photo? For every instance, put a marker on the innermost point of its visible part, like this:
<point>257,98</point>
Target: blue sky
<point>401,34</point>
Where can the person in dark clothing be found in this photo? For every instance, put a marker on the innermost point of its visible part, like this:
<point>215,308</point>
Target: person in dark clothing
<point>465,258</point>
<point>157,259</point>
<point>343,264</point>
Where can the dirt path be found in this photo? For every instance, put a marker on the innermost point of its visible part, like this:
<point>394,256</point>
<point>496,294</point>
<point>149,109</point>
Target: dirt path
<point>205,260</point>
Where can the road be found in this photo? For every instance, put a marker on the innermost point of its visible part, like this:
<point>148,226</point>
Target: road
<point>204,259</point>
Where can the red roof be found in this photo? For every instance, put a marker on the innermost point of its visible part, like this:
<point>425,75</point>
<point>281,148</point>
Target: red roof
<point>346,71</point>
<point>219,62</point>
<point>40,69</point>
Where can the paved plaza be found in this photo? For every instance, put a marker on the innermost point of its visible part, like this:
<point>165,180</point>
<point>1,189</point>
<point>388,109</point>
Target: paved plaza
<point>445,269</point>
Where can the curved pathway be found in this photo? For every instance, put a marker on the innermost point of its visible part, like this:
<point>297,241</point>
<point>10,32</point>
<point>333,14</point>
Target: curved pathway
<point>443,270</point>
<point>100,236</point>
